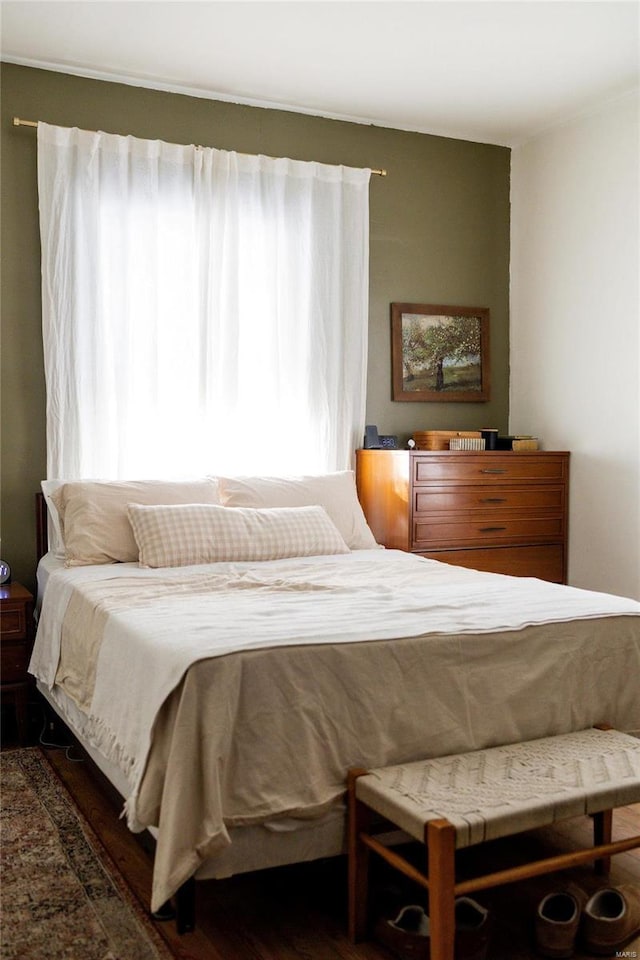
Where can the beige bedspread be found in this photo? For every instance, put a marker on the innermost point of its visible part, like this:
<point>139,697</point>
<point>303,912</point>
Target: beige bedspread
<point>249,726</point>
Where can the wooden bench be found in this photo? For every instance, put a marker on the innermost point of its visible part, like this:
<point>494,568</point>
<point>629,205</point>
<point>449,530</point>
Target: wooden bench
<point>453,802</point>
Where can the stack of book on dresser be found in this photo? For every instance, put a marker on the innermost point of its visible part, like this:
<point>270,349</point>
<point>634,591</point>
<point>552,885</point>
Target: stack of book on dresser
<point>470,440</point>
<point>441,439</point>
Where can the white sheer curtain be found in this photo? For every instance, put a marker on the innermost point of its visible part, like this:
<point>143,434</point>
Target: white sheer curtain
<point>203,311</point>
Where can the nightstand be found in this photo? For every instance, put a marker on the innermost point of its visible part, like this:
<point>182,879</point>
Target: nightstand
<point>16,640</point>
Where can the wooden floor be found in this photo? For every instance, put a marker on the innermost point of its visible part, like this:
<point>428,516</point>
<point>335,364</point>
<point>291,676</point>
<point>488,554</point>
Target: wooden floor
<point>299,912</point>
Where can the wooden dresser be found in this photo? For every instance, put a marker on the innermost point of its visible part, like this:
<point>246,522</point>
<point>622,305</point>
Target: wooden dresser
<point>500,511</point>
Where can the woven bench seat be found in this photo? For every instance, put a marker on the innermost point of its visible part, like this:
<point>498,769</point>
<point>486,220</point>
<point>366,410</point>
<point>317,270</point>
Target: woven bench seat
<point>458,801</point>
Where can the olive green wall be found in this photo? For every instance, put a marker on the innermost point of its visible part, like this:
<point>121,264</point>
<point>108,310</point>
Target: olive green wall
<point>439,234</point>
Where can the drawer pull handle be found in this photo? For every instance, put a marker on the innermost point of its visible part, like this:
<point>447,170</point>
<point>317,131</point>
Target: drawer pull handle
<point>494,470</point>
<point>491,529</point>
<point>494,500</point>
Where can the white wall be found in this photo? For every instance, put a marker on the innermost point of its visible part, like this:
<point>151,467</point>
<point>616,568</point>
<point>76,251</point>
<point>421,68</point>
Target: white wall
<point>575,328</point>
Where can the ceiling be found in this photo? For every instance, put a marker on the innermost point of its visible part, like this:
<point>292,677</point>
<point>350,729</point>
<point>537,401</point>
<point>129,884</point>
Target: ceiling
<point>494,72</point>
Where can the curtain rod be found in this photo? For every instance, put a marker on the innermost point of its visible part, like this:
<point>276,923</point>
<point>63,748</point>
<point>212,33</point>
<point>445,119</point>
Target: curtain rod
<point>17,122</point>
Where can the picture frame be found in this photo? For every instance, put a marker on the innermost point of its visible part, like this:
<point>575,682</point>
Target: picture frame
<point>440,353</point>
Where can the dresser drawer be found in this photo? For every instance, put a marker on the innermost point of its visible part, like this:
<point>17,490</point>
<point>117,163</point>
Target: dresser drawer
<point>457,499</point>
<point>545,562</point>
<point>13,663</point>
<point>13,623</point>
<point>487,467</point>
<point>440,531</point>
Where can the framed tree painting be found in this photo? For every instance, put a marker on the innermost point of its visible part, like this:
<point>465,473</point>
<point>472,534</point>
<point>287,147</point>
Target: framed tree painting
<point>439,353</point>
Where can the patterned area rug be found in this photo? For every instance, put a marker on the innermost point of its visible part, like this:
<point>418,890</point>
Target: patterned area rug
<point>62,896</point>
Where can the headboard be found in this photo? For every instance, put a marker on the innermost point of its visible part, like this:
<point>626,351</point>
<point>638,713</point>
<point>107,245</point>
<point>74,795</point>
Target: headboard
<point>42,526</point>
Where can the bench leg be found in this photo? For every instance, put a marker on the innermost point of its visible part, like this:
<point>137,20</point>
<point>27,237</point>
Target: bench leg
<point>441,846</point>
<point>359,821</point>
<point>602,832</point>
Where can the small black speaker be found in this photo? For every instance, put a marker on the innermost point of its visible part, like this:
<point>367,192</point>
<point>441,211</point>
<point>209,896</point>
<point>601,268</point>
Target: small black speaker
<point>371,438</point>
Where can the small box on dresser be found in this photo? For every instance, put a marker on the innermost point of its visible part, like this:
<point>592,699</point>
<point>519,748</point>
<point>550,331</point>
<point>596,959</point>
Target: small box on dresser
<point>503,512</point>
<point>16,641</point>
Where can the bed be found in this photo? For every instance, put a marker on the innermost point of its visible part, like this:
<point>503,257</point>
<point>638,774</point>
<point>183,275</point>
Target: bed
<point>226,699</point>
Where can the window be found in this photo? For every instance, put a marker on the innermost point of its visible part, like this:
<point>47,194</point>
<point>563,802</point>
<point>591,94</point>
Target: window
<point>203,311</point>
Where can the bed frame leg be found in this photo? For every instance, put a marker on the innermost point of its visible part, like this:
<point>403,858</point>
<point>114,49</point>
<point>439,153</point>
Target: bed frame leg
<point>186,906</point>
<point>165,912</point>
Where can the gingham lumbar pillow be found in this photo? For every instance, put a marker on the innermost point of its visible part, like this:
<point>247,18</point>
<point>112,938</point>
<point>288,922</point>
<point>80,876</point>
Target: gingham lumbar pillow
<point>185,534</point>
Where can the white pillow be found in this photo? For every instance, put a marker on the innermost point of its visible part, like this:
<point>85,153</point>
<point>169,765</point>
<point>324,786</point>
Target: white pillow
<point>93,514</point>
<point>178,536</point>
<point>336,492</point>
<point>55,540</point>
